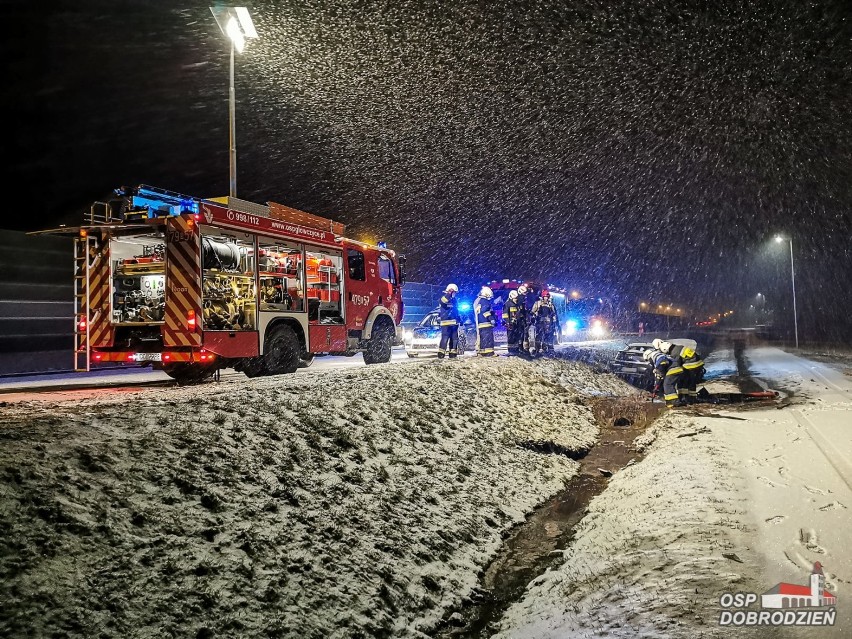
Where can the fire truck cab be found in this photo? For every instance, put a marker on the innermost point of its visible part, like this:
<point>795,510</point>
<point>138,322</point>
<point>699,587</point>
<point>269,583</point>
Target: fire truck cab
<point>195,285</point>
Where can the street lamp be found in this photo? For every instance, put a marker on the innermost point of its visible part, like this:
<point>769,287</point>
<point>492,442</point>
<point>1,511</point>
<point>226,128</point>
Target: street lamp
<point>779,239</point>
<point>235,23</point>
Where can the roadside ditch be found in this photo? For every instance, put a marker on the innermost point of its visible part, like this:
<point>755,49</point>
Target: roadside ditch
<point>534,547</point>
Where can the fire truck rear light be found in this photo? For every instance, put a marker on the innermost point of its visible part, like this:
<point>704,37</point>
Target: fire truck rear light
<point>97,357</point>
<point>131,357</point>
<point>82,325</point>
<point>190,320</point>
<point>166,357</point>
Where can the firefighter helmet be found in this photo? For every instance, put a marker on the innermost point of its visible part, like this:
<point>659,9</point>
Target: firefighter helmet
<point>522,289</point>
<point>513,295</point>
<point>486,292</point>
<point>451,288</point>
<point>648,354</point>
<point>545,292</point>
<point>665,347</point>
<point>657,343</point>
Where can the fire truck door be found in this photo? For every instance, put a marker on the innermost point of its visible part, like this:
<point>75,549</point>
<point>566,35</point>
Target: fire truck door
<point>359,294</point>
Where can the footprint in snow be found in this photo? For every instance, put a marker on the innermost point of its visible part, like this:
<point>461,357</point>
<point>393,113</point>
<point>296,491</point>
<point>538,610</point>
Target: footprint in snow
<point>816,491</point>
<point>835,505</point>
<point>777,519</point>
<point>808,538</point>
<point>771,483</point>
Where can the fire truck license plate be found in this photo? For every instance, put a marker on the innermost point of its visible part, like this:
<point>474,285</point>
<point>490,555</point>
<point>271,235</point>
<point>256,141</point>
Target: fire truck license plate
<point>149,357</point>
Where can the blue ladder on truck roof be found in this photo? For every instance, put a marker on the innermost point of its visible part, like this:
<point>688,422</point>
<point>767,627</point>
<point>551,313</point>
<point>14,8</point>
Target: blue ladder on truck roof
<point>162,203</point>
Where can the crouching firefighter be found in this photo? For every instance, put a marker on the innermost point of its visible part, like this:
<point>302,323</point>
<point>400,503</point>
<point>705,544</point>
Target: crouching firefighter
<point>660,363</point>
<point>512,318</point>
<point>484,322</point>
<point>448,315</point>
<point>693,372</point>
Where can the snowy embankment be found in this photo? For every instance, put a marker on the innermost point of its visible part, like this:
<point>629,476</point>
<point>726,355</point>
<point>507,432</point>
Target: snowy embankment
<point>337,504</point>
<point>655,551</point>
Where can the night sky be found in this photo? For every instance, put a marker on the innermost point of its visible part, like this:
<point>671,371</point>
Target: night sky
<point>638,150</point>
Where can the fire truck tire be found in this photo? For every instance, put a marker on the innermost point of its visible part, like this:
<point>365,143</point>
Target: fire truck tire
<point>379,346</point>
<point>281,351</point>
<point>186,374</point>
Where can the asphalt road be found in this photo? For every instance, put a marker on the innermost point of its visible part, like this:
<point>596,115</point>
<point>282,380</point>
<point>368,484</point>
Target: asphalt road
<point>69,385</point>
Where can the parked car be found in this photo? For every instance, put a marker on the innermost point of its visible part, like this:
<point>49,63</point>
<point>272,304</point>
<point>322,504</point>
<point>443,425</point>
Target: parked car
<point>423,339</point>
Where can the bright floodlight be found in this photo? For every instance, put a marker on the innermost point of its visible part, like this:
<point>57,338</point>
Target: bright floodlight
<point>778,238</point>
<point>236,24</point>
<point>236,35</point>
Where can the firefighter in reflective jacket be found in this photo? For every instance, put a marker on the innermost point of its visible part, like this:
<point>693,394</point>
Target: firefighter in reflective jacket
<point>522,323</point>
<point>484,322</point>
<point>448,315</point>
<point>693,372</point>
<point>545,320</point>
<point>660,363</point>
<point>511,316</point>
<point>673,385</point>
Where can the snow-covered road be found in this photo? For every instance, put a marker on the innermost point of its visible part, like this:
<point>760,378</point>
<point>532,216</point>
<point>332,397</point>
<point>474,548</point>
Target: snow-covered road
<point>798,471</point>
<point>733,500</point>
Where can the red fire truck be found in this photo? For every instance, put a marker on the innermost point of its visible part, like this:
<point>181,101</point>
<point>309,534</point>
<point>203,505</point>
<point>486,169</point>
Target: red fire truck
<point>192,286</point>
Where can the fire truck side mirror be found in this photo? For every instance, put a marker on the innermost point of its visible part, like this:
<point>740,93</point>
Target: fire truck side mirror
<point>401,262</point>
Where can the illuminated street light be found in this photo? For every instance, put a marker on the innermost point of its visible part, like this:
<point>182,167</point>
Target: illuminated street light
<point>575,294</point>
<point>780,238</point>
<point>236,24</point>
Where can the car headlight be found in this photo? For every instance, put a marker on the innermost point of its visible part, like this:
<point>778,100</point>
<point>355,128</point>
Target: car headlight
<point>407,335</point>
<point>598,329</point>
<point>570,327</point>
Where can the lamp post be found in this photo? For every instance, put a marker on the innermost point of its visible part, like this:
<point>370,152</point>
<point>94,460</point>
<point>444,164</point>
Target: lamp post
<point>779,239</point>
<point>236,24</point>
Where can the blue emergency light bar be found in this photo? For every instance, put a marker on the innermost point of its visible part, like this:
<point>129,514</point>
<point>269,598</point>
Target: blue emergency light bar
<point>162,203</point>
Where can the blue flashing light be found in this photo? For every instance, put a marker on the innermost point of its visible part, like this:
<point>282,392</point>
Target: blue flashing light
<point>571,327</point>
<point>164,203</point>
<point>464,306</point>
<point>382,244</point>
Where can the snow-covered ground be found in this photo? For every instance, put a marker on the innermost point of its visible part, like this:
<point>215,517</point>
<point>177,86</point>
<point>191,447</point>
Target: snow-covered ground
<point>359,502</point>
<point>725,501</point>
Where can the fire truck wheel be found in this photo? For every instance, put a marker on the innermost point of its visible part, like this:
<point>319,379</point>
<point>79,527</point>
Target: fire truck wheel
<point>282,351</point>
<point>185,374</point>
<point>379,346</point>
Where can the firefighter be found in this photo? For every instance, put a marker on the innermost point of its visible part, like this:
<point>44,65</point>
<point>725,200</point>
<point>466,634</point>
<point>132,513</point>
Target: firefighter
<point>523,320</point>
<point>545,321</point>
<point>693,372</point>
<point>511,316</point>
<point>484,322</point>
<point>448,315</point>
<point>660,363</point>
<point>673,384</point>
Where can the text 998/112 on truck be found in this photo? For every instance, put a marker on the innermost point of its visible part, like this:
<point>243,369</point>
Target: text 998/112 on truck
<point>191,286</point>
